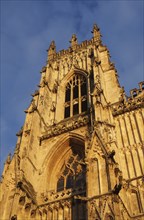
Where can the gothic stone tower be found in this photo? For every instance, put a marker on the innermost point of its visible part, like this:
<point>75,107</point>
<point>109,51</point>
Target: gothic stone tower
<point>79,154</point>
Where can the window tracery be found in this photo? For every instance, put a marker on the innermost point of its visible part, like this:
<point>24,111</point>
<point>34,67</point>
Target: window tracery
<point>73,174</point>
<point>76,96</point>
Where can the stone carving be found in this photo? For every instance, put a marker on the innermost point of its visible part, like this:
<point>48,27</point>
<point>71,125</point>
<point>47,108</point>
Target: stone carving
<point>25,186</point>
<point>106,131</point>
<point>53,107</point>
<point>35,93</point>
<point>97,62</point>
<point>117,189</point>
<point>111,156</point>
<point>65,126</point>
<point>122,97</point>
<point>73,41</point>
<point>43,69</point>
<point>127,105</point>
<point>24,153</point>
<point>32,107</point>
<point>41,100</point>
<point>14,217</point>
<point>20,132</point>
<point>97,90</point>
<point>55,87</point>
<point>27,132</point>
<point>43,82</point>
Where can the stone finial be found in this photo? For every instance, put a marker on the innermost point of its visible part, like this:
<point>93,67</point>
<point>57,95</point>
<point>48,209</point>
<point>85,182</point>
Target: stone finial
<point>95,28</point>
<point>96,34</point>
<point>51,50</point>
<point>73,41</point>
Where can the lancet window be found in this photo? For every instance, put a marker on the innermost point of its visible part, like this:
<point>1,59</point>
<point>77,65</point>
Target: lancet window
<point>76,96</point>
<point>72,175</point>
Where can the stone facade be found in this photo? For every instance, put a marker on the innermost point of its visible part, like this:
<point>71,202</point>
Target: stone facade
<point>79,154</point>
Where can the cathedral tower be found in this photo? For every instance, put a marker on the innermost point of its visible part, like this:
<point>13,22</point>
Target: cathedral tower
<point>79,154</point>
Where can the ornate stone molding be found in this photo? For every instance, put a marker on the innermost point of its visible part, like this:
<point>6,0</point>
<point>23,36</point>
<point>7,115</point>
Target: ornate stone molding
<point>65,126</point>
<point>26,187</point>
<point>131,104</point>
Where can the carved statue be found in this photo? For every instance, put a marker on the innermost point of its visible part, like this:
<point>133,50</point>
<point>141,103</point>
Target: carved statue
<point>122,97</point>
<point>73,40</point>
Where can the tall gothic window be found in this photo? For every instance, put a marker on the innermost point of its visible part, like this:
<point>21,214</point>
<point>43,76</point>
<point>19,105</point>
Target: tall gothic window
<point>76,96</point>
<point>73,174</point>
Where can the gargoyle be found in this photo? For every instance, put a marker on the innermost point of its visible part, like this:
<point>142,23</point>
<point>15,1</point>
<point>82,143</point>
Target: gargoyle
<point>117,189</point>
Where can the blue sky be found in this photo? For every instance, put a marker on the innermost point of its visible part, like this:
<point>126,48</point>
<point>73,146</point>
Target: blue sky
<point>28,27</point>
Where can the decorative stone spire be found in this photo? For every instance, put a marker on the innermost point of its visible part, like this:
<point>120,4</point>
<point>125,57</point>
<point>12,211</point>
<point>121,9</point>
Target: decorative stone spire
<point>96,34</point>
<point>73,41</point>
<point>51,50</point>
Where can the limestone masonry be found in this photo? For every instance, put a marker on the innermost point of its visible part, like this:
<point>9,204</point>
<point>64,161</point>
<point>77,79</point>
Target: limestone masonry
<point>79,154</point>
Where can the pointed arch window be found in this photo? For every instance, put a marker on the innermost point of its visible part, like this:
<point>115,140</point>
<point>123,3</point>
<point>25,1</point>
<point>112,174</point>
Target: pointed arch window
<point>76,96</point>
<point>73,174</point>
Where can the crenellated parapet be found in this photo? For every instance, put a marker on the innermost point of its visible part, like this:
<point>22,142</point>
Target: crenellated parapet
<point>128,104</point>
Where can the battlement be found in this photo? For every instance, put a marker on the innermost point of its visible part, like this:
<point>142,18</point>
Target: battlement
<point>96,40</point>
<point>68,51</point>
<point>136,92</point>
<point>134,101</point>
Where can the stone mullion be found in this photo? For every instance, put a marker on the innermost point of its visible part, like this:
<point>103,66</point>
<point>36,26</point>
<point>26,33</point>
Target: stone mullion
<point>50,214</point>
<point>44,215</point>
<point>38,216</point>
<point>55,214</point>
<point>66,212</point>
<point>141,198</point>
<point>71,100</point>
<point>140,124</point>
<point>98,176</point>
<point>85,62</point>
<point>142,116</point>
<point>130,146</point>
<point>139,160</point>
<point>118,134</point>
<point>139,134</point>
<point>70,211</point>
<point>60,213</point>
<point>135,144</point>
<point>124,164</point>
<point>122,140</point>
<point>126,131</point>
<point>82,63</point>
<point>124,147</point>
<point>132,129</point>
